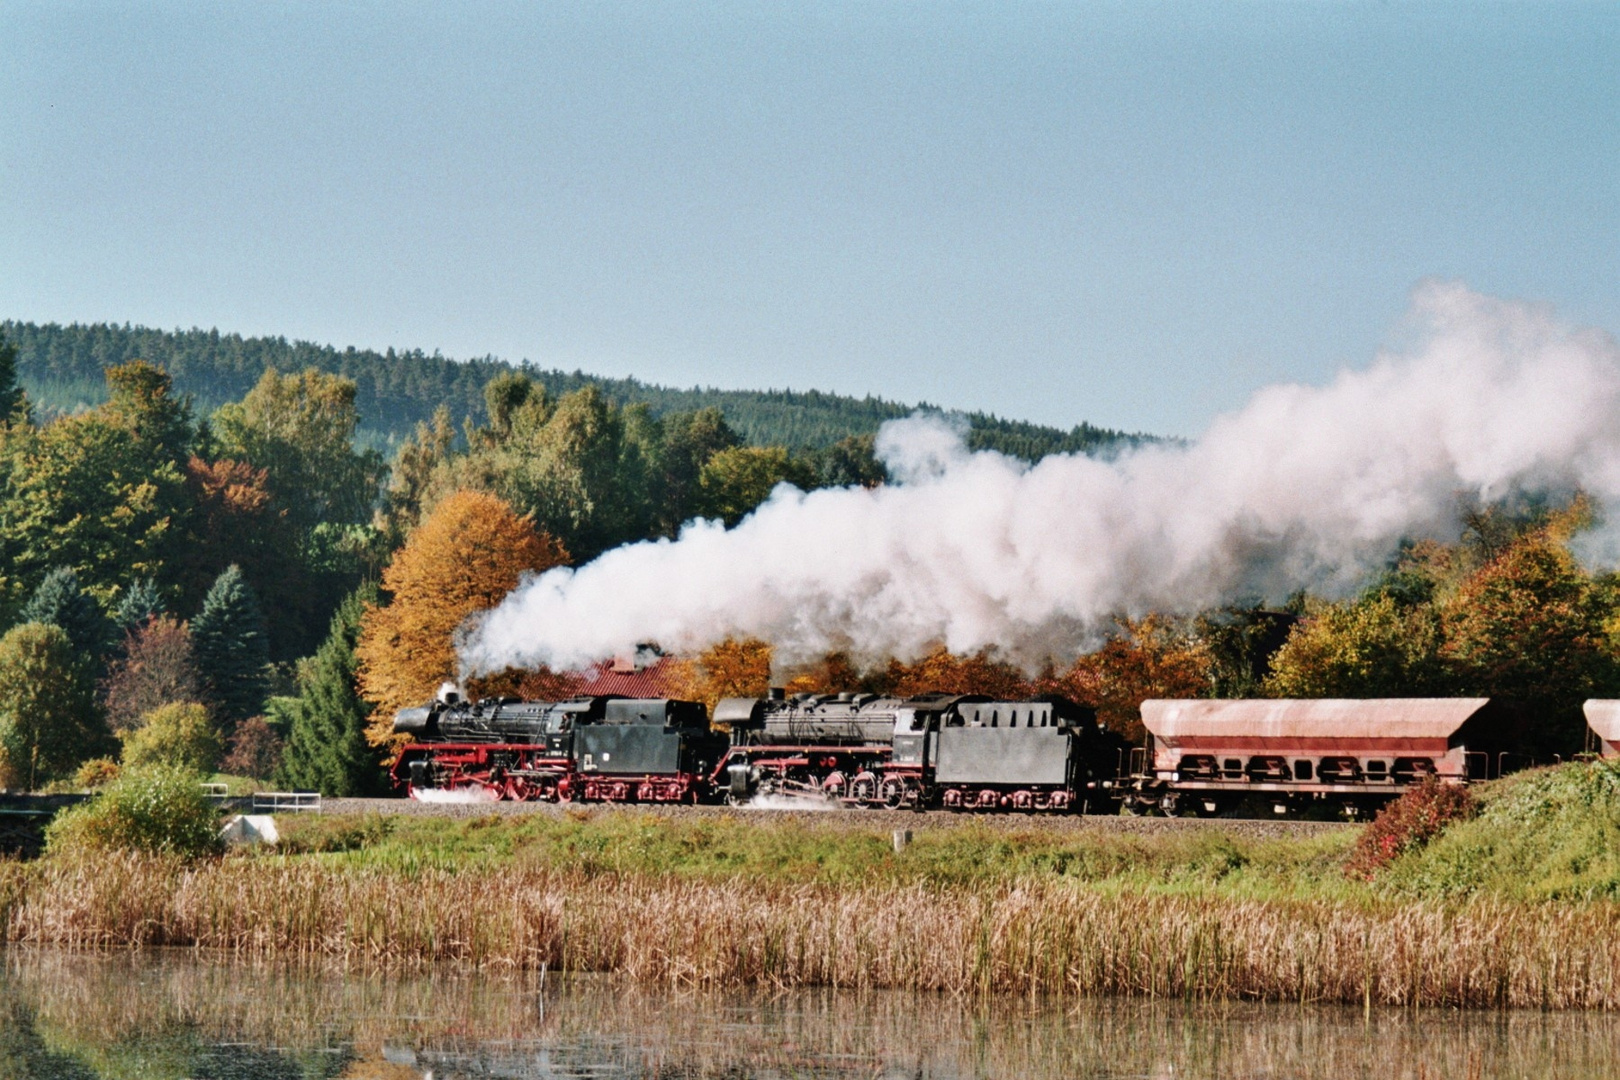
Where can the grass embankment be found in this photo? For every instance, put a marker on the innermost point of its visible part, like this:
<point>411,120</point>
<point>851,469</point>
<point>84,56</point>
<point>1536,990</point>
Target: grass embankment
<point>1511,909</point>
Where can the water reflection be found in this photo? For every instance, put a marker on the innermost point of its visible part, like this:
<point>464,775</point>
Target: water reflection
<point>179,1016</point>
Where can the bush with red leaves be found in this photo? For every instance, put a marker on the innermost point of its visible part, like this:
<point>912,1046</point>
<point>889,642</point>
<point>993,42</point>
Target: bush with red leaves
<point>1408,823</point>
<point>255,750</point>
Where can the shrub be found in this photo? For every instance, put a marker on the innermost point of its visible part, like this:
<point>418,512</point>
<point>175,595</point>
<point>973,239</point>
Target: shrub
<point>158,808</point>
<point>180,735</point>
<point>96,773</point>
<point>255,750</point>
<point>1409,823</point>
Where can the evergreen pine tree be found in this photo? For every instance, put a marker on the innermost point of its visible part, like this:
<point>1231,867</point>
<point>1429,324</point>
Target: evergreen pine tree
<point>233,649</point>
<point>10,392</point>
<point>59,601</point>
<point>326,747</point>
<point>141,603</point>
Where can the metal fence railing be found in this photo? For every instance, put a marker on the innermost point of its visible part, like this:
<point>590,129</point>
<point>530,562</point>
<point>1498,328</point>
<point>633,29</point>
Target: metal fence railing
<point>276,802</point>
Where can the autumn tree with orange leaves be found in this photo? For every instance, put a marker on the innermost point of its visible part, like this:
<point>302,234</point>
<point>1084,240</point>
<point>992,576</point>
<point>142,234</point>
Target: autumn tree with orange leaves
<point>464,558</point>
<point>943,672</point>
<point>1147,658</point>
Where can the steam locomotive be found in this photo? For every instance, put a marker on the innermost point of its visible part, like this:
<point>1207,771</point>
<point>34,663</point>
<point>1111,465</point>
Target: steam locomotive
<point>962,752</point>
<point>951,751</point>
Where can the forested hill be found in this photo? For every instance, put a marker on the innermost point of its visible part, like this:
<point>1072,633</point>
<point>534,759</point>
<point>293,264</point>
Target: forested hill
<point>61,368</point>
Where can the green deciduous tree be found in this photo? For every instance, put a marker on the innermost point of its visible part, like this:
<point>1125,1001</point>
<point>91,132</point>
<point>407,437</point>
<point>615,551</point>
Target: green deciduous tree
<point>578,467</point>
<point>736,481</point>
<point>102,491</point>
<point>851,462</point>
<point>300,430</point>
<point>326,748</point>
<point>411,476</point>
<point>158,808</point>
<point>686,443</point>
<point>180,734</point>
<point>232,649</point>
<point>48,717</point>
<point>1372,647</point>
<point>1531,625</point>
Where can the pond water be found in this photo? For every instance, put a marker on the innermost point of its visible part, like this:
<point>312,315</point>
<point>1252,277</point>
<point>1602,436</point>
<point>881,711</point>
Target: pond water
<point>176,1015</point>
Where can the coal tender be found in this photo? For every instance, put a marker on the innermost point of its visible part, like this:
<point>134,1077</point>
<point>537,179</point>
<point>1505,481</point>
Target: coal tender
<point>603,748</point>
<point>959,752</point>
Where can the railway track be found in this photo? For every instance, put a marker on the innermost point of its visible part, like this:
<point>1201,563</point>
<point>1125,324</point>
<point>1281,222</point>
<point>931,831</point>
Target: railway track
<point>864,820</point>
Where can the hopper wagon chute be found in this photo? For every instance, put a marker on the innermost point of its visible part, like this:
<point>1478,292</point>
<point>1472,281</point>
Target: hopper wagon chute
<point>1208,754</point>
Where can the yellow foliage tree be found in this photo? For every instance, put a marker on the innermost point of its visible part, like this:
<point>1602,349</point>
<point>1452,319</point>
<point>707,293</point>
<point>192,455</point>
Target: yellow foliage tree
<point>943,672</point>
<point>464,558</point>
<point>834,673</point>
<point>732,668</point>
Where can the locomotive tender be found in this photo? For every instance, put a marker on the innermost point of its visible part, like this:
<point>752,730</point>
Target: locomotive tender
<point>963,752</point>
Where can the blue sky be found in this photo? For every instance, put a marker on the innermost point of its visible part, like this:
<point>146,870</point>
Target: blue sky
<point>1132,214</point>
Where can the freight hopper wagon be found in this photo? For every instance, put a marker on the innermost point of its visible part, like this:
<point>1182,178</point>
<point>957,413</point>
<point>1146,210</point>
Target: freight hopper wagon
<point>1603,717</point>
<point>956,752</point>
<point>1207,755</point>
<point>595,749</point>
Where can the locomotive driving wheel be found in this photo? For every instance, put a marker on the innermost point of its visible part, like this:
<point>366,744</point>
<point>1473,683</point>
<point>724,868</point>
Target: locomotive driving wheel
<point>864,789</point>
<point>892,792</point>
<point>835,786</point>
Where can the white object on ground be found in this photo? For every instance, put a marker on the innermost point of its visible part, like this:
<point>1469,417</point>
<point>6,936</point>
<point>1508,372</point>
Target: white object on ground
<point>250,829</point>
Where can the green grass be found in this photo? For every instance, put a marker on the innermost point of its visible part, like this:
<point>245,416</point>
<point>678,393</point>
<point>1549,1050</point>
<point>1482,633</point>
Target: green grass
<point>751,849</point>
<point>1546,834</point>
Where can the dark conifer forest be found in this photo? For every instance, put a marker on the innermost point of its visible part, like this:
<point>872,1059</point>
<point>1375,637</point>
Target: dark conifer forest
<point>61,369</point>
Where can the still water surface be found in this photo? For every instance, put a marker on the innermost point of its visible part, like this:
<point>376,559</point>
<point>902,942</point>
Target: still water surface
<point>173,1016</point>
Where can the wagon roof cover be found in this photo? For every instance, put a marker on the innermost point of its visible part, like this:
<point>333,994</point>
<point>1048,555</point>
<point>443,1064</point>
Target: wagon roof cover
<point>1324,718</point>
<point>1604,716</point>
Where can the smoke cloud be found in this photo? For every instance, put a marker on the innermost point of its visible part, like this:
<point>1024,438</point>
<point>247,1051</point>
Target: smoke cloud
<point>1305,487</point>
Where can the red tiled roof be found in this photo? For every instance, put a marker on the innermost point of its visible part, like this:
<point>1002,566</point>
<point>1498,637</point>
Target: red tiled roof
<point>652,681</point>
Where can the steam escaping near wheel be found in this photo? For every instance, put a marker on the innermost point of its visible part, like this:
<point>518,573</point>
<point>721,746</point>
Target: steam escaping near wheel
<point>1304,488</point>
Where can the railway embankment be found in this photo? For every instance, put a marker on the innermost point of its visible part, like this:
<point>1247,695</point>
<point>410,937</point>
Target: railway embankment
<point>816,817</point>
<point>1514,908</point>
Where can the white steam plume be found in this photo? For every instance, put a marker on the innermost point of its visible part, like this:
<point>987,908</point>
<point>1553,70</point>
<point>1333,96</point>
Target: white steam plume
<point>1306,487</point>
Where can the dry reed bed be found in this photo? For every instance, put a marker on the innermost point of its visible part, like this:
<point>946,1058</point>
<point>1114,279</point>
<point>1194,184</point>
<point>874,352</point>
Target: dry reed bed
<point>1047,937</point>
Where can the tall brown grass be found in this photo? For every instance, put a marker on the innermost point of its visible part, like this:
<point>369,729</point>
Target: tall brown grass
<point>1033,937</point>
